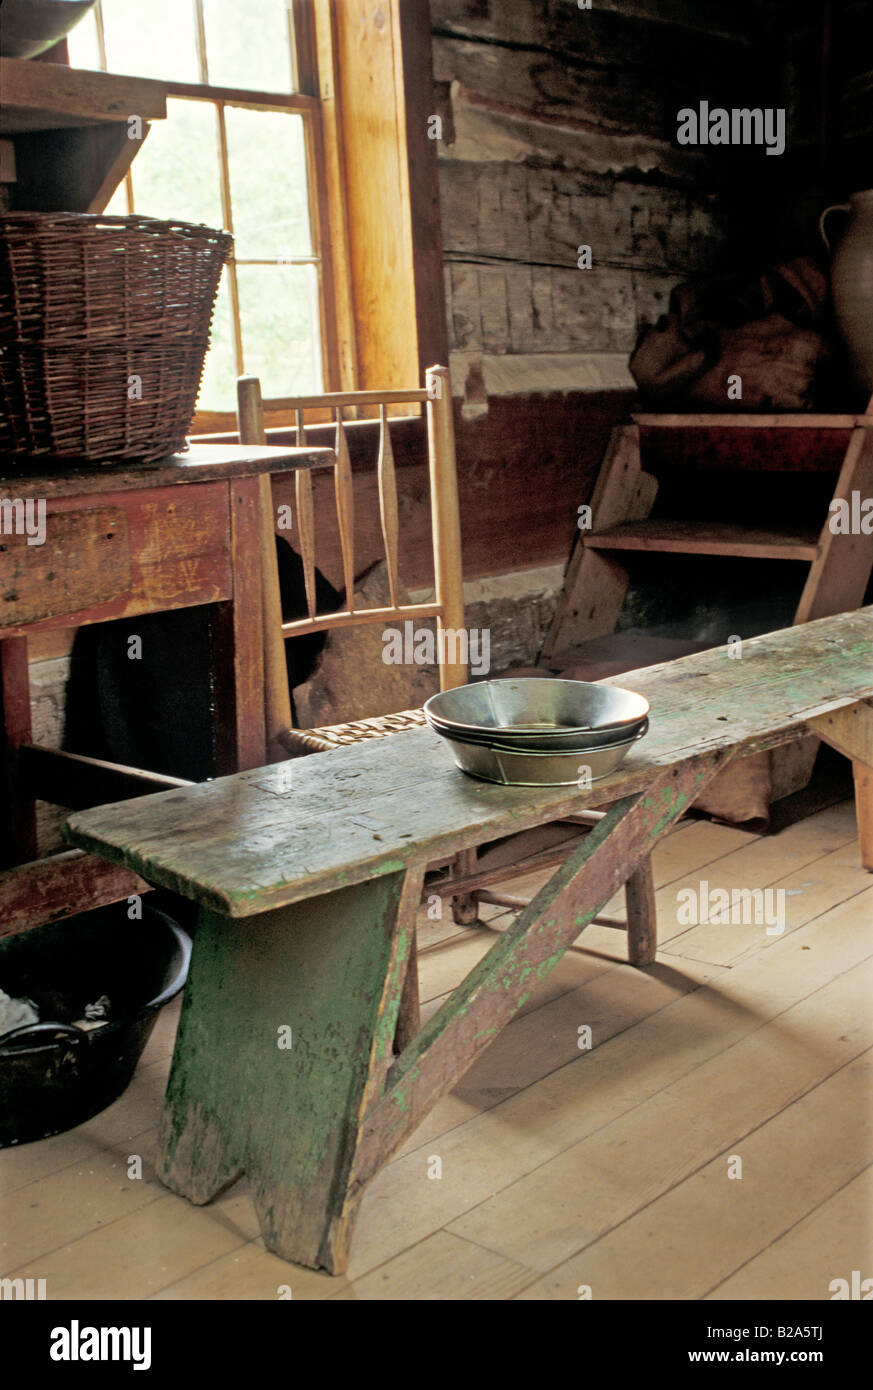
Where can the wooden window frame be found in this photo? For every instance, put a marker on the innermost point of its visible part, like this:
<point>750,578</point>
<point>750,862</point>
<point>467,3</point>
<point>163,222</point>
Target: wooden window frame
<point>371,67</point>
<point>305,101</point>
<point>376,71</point>
<point>364,74</point>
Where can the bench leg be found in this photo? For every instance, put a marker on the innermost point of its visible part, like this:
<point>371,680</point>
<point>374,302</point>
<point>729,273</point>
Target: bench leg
<point>286,1034</point>
<point>864,810</point>
<point>850,731</point>
<point>465,906</point>
<point>642,921</point>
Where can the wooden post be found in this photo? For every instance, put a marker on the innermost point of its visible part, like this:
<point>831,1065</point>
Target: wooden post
<point>448,569</point>
<point>446,517</point>
<point>465,906</point>
<point>238,647</point>
<point>277,699</point>
<point>642,917</point>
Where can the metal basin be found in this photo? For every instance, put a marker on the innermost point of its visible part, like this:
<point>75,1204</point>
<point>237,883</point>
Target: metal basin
<point>542,708</point>
<point>500,763</point>
<point>544,741</point>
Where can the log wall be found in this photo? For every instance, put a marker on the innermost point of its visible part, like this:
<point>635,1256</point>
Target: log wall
<point>559,128</point>
<point>852,94</point>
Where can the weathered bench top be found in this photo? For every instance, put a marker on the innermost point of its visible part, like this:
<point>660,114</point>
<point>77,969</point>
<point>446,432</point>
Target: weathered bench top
<point>276,835</point>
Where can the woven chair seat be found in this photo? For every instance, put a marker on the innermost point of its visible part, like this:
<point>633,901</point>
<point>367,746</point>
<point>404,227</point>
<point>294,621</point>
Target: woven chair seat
<point>301,741</point>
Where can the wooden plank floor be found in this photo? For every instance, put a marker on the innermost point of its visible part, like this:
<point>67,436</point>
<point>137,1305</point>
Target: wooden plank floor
<point>552,1169</point>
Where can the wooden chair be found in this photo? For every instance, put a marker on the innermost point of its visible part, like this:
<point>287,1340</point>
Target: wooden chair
<point>465,883</point>
<point>448,604</point>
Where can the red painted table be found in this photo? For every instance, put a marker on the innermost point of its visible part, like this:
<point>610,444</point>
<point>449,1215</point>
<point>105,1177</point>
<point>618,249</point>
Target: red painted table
<point>122,540</point>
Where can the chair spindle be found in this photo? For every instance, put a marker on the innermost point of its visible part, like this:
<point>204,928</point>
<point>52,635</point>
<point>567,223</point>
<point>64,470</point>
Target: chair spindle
<point>305,520</point>
<point>345,509</point>
<point>388,505</point>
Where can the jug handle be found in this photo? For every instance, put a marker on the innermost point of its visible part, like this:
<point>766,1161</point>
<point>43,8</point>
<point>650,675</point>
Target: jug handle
<point>837,207</point>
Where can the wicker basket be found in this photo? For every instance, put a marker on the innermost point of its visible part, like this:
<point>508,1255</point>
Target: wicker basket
<point>104,325</point>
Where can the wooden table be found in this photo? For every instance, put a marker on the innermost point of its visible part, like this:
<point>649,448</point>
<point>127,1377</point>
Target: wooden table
<point>309,875</point>
<point>120,541</point>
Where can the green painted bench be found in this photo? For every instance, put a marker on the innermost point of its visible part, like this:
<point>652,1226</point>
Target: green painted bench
<point>309,874</point>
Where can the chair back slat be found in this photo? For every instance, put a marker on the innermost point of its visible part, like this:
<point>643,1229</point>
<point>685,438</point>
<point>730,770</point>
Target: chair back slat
<point>306,534</point>
<point>305,519</point>
<point>345,508</point>
<point>363,399</point>
<point>387,480</point>
<point>361,616</point>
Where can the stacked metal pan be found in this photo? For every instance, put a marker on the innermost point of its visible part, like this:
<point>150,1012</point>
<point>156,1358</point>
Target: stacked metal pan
<point>537,732</point>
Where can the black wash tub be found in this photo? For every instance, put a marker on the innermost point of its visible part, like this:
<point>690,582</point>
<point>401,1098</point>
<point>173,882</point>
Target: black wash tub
<point>54,1075</point>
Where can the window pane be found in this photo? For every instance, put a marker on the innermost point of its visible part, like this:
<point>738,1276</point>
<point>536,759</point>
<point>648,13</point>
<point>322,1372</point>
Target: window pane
<point>151,39</point>
<point>117,205</point>
<point>176,172</point>
<point>267,162</point>
<point>218,387</point>
<point>82,43</point>
<point>280,327</point>
<point>247,44</point>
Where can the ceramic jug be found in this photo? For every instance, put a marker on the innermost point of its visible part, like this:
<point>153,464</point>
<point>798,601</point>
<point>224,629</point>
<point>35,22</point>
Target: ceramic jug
<point>852,282</point>
<point>29,27</point>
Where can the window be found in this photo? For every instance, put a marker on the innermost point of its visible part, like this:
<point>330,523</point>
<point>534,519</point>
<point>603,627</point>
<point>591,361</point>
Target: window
<point>239,149</point>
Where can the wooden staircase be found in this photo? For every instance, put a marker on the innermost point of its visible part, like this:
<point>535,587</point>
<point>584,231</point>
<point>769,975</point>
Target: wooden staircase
<point>621,523</point>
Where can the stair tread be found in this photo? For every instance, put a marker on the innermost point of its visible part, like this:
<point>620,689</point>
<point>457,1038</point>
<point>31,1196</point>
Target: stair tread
<point>706,538</point>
